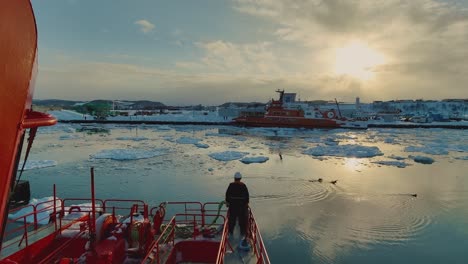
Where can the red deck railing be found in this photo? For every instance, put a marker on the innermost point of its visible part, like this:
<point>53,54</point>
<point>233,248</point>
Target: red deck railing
<point>196,216</point>
<point>257,241</point>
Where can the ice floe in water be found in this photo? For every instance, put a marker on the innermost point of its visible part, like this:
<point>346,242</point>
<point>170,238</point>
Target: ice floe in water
<point>132,138</point>
<point>37,164</point>
<point>429,149</point>
<point>228,155</point>
<point>70,136</point>
<point>259,159</point>
<point>399,164</point>
<point>187,140</point>
<point>69,130</point>
<point>422,159</point>
<point>201,145</point>
<point>128,154</point>
<point>313,140</point>
<point>396,157</point>
<point>164,127</point>
<point>462,158</point>
<point>168,138</point>
<point>356,151</point>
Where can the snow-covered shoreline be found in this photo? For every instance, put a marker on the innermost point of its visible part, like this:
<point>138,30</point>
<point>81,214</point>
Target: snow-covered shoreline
<point>212,118</point>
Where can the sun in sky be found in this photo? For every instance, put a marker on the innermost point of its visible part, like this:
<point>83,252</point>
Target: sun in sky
<point>357,60</point>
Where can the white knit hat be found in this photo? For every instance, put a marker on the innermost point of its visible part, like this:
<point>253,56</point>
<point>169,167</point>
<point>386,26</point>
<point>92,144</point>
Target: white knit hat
<point>237,176</point>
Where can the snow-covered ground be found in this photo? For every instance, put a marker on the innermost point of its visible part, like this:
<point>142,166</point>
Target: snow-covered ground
<point>69,115</point>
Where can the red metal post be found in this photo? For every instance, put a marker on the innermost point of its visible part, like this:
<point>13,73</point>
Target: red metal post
<point>35,217</point>
<point>25,231</point>
<point>92,225</point>
<point>55,208</point>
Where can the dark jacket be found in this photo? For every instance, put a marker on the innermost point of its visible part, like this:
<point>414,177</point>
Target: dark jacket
<point>237,194</point>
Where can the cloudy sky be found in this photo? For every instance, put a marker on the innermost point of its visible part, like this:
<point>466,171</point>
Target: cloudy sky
<point>213,51</point>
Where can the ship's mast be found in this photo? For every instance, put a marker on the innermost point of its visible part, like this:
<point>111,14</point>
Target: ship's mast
<point>281,92</point>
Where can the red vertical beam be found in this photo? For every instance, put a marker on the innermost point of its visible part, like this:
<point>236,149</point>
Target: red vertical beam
<point>92,224</point>
<point>18,45</point>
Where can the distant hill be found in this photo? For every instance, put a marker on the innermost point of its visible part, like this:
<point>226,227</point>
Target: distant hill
<point>147,105</point>
<point>56,103</point>
<point>118,105</point>
<point>240,104</point>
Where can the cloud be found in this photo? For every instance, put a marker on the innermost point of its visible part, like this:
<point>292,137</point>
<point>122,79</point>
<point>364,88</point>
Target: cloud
<point>251,59</point>
<point>145,26</point>
<point>423,40</point>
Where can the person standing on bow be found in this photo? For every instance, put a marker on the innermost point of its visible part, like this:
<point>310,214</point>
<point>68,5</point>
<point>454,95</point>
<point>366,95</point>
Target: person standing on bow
<point>237,199</point>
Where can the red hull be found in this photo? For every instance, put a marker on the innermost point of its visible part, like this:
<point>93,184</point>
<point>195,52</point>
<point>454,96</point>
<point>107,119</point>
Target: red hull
<point>296,122</point>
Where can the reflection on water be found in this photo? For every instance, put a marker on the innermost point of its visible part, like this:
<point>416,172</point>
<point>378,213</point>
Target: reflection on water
<point>370,215</point>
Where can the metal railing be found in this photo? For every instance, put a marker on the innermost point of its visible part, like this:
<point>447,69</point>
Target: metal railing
<point>257,241</point>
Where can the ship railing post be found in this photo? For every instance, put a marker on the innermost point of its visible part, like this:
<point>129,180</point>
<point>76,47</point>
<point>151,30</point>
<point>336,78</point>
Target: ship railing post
<point>55,208</point>
<point>35,217</point>
<point>25,231</point>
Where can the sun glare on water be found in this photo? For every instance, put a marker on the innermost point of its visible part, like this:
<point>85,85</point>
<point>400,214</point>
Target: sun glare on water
<point>357,60</point>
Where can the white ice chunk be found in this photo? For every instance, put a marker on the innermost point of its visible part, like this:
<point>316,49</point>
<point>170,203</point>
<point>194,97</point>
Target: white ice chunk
<point>356,151</point>
<point>429,149</point>
<point>69,129</point>
<point>398,164</point>
<point>313,140</point>
<point>132,138</point>
<point>37,164</point>
<point>228,155</point>
<point>259,159</point>
<point>396,157</point>
<point>201,145</point>
<point>187,140</point>
<point>128,154</point>
<point>71,136</point>
<point>163,127</point>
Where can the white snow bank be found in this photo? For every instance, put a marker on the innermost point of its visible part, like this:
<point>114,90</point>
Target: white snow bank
<point>398,164</point>
<point>69,115</point>
<point>429,149</point>
<point>128,154</point>
<point>228,155</point>
<point>422,159</point>
<point>132,138</point>
<point>259,159</point>
<point>355,151</point>
<point>37,164</point>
